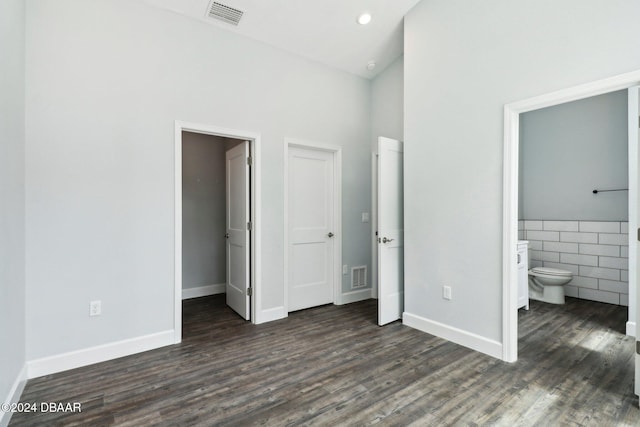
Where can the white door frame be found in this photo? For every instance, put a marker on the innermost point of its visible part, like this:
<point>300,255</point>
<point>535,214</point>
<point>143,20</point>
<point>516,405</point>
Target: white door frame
<point>337,214</point>
<point>512,113</point>
<point>374,224</point>
<point>256,197</point>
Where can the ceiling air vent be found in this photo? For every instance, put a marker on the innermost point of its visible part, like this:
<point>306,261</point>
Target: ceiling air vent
<point>225,13</point>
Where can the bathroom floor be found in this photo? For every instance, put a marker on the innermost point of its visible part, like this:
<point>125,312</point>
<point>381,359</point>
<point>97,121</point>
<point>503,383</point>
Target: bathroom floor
<point>333,365</point>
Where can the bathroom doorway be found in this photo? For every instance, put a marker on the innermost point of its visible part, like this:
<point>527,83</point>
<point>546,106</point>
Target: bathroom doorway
<point>573,198</point>
<point>511,201</point>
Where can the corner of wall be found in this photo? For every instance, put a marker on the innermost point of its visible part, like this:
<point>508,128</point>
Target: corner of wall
<point>14,395</point>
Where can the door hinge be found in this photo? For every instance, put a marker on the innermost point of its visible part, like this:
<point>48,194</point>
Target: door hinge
<point>249,160</point>
<point>249,226</point>
<point>639,234</point>
<point>249,291</point>
<point>637,347</point>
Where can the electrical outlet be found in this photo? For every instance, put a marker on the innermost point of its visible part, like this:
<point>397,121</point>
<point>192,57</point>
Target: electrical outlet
<point>365,216</point>
<point>345,269</point>
<point>95,308</point>
<point>446,292</point>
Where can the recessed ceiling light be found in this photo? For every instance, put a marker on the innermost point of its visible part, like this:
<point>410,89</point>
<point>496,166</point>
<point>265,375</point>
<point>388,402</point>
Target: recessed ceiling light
<point>364,19</point>
<point>371,65</point>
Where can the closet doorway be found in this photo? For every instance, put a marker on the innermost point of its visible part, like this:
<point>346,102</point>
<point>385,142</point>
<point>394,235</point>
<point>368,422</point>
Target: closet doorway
<point>215,219</point>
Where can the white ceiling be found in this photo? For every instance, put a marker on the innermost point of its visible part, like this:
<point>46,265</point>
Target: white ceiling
<point>321,30</point>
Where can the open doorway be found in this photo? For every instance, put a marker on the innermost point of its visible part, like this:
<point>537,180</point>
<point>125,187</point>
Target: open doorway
<point>573,197</point>
<point>216,240</point>
<point>511,170</point>
<point>204,269</point>
<point>215,209</point>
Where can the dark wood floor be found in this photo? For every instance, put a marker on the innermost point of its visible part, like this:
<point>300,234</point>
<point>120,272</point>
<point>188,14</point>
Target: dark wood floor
<point>333,366</point>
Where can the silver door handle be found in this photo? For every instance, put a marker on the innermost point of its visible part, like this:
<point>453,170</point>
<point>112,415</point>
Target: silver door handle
<point>385,240</point>
<point>330,234</point>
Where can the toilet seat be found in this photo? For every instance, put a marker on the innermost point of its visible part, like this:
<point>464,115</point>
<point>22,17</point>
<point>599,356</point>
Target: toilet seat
<point>549,272</point>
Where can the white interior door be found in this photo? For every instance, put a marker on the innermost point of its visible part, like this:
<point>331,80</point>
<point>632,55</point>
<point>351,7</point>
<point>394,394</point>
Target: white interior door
<point>390,231</point>
<point>634,219</point>
<point>310,228</point>
<point>238,226</point>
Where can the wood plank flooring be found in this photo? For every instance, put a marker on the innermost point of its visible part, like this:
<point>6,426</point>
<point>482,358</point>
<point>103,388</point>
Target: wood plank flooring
<point>333,365</point>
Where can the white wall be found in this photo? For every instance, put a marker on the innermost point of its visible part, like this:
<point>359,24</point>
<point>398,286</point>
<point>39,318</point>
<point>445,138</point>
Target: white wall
<point>387,118</point>
<point>567,151</point>
<point>203,210</point>
<point>463,62</point>
<point>12,238</point>
<point>105,82</point>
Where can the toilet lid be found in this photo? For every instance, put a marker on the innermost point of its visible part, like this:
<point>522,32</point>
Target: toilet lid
<point>551,271</point>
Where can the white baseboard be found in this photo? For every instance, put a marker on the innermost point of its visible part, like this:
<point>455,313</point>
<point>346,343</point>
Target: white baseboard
<point>203,291</point>
<point>458,336</point>
<point>271,314</point>
<point>631,329</point>
<point>97,354</point>
<point>355,296</point>
<point>14,395</point>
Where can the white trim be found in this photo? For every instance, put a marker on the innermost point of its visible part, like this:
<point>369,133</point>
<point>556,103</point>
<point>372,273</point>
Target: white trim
<point>374,225</point>
<point>510,238</point>
<point>203,291</point>
<point>337,209</point>
<point>177,242</point>
<point>256,213</point>
<point>631,329</point>
<point>458,336</point>
<point>355,296</point>
<point>512,113</point>
<point>14,395</point>
<point>634,157</point>
<point>88,356</point>
<point>285,228</point>
<point>301,143</point>
<point>272,314</point>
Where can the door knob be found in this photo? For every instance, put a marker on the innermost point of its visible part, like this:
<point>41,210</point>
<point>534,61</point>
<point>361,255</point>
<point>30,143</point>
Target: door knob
<point>330,234</point>
<point>385,240</point>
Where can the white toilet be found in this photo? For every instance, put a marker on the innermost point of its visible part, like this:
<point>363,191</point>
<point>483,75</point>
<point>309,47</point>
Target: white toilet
<point>547,284</point>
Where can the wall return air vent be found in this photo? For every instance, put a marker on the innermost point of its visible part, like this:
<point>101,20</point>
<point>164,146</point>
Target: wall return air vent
<point>224,13</point>
<point>359,277</point>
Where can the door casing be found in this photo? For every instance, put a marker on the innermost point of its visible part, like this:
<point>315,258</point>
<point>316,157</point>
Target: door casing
<point>337,214</point>
<point>374,224</point>
<point>256,197</point>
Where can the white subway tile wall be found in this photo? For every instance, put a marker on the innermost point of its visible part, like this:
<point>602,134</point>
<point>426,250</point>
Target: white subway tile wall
<point>596,252</point>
